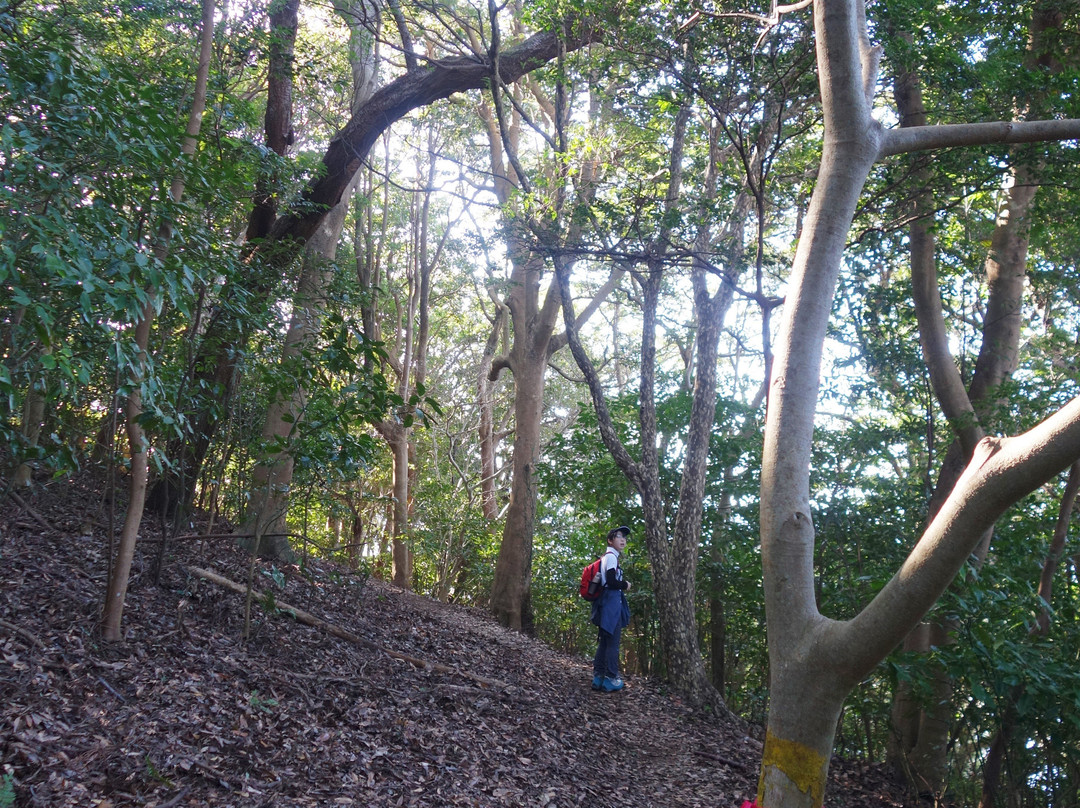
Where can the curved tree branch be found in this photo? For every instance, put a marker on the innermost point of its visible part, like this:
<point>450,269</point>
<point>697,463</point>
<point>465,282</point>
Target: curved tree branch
<point>441,79</point>
<point>608,434</point>
<point>1002,471</point>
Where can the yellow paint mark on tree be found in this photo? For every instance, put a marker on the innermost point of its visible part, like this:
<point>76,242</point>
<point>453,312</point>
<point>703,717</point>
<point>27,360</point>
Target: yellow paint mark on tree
<point>805,767</point>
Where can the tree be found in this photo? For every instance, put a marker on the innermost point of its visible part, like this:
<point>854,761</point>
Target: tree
<point>815,661</point>
<point>674,558</point>
<point>120,568</point>
<point>704,232</point>
<point>533,311</point>
<point>423,82</point>
<point>266,522</point>
<point>922,733</point>
<point>214,369</point>
<point>405,327</point>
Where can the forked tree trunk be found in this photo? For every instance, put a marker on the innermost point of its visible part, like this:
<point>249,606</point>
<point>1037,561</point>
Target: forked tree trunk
<point>533,344</point>
<point>511,593</point>
<point>673,557</point>
<point>532,322</point>
<point>919,738</point>
<point>533,318</point>
<point>814,661</point>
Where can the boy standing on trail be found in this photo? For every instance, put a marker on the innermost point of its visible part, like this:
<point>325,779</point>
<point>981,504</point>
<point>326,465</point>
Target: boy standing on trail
<point>610,612</point>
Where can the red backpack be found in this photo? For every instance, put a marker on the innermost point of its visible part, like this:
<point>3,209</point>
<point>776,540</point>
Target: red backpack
<point>591,583</point>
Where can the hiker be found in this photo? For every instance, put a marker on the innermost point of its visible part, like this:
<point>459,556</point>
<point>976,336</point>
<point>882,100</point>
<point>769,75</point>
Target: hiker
<point>610,612</point>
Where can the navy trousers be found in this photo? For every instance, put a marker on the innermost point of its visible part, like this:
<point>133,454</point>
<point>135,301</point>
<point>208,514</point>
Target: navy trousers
<point>606,661</point>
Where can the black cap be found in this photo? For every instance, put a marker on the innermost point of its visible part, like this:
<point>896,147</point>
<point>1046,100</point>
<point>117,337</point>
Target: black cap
<point>615,531</point>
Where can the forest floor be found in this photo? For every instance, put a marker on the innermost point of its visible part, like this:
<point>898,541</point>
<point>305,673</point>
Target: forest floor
<point>416,703</point>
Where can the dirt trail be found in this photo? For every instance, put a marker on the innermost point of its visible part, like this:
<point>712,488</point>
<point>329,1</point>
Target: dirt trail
<point>186,714</point>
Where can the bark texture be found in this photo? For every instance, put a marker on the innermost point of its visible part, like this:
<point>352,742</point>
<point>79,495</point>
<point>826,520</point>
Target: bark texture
<point>532,327</point>
<point>277,119</point>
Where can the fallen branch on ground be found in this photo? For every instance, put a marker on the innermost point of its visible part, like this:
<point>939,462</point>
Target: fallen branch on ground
<point>309,619</point>
<point>735,764</point>
<point>30,511</point>
<point>29,636</point>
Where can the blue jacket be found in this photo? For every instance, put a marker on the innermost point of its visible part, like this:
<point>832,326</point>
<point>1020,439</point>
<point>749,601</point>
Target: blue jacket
<point>611,611</point>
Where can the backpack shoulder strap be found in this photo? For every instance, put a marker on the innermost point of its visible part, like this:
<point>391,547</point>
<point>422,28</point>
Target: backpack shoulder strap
<point>606,553</point>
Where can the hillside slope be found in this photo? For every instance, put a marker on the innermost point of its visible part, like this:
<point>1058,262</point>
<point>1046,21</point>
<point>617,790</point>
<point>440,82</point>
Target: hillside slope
<point>185,713</point>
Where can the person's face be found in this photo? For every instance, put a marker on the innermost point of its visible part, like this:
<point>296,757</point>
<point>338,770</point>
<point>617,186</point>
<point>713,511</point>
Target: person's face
<point>619,541</point>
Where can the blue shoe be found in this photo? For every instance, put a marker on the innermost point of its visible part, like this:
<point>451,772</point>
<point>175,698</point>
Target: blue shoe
<point>597,682</point>
<point>611,685</point>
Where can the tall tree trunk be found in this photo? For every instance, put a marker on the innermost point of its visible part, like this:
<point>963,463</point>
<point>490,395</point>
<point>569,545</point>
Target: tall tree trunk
<point>511,593</point>
<point>409,361</point>
<point>532,324</point>
<point>120,566</point>
<point>401,555</point>
<point>673,558</point>
<point>533,344</point>
<point>277,119</point>
<point>533,319</point>
<point>266,523</point>
<point>271,480</point>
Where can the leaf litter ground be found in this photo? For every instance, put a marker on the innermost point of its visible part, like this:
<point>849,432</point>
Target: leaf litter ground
<point>186,713</point>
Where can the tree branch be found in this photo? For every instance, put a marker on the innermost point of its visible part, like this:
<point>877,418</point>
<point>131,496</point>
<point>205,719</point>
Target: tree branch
<point>608,434</point>
<point>1001,472</point>
<point>348,150</point>
<point>923,138</point>
<point>559,340</point>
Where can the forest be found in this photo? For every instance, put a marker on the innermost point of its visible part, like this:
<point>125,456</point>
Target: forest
<point>436,292</point>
